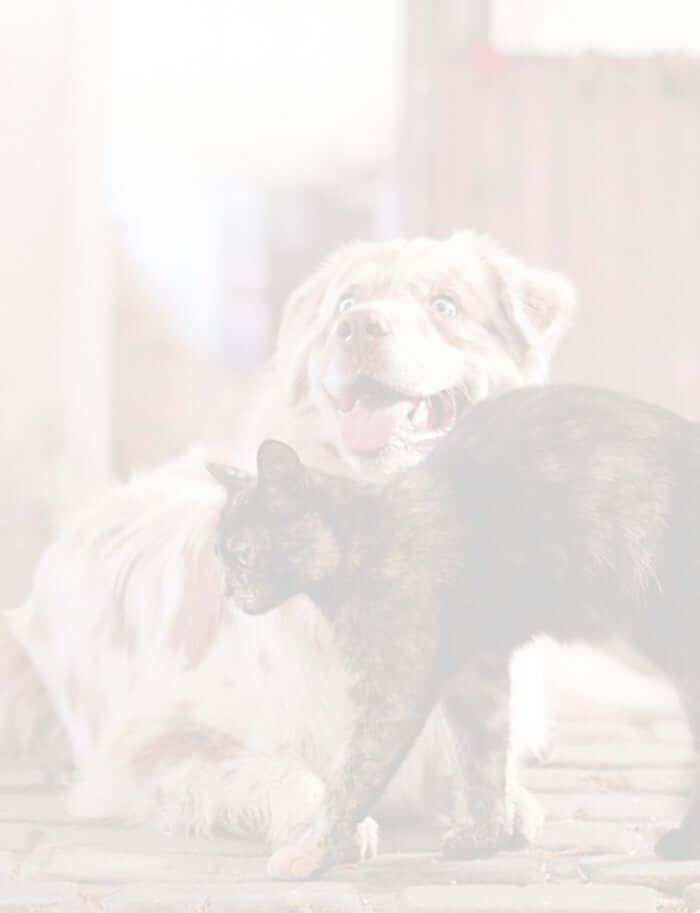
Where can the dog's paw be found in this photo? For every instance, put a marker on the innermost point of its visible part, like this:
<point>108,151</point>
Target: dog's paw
<point>367,839</point>
<point>298,861</point>
<point>524,816</point>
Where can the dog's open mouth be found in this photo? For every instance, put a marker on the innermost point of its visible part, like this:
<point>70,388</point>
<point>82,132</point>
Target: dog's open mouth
<point>372,415</point>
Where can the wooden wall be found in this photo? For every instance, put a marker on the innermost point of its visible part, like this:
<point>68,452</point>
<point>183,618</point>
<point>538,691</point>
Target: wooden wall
<point>590,165</point>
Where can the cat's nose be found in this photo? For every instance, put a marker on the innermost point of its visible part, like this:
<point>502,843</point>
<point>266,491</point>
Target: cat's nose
<point>362,327</point>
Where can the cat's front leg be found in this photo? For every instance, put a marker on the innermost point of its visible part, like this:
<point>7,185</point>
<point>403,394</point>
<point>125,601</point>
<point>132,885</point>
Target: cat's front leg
<point>335,836</point>
<point>392,696</point>
<point>477,706</point>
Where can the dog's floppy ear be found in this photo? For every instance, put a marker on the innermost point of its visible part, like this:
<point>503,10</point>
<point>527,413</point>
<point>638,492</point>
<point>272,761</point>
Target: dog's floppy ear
<point>229,477</point>
<point>300,313</point>
<point>298,330</point>
<point>281,474</point>
<point>538,303</point>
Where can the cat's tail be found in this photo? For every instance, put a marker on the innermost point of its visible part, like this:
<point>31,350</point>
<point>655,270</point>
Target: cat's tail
<point>28,722</point>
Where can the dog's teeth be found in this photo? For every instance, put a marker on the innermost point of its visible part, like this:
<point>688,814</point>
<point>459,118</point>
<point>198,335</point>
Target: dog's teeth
<point>420,437</point>
<point>419,416</point>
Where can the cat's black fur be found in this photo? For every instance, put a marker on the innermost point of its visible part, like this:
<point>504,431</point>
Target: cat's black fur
<point>564,510</point>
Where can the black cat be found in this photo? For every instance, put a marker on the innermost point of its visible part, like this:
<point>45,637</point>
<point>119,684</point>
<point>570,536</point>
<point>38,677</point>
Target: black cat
<point>564,510</point>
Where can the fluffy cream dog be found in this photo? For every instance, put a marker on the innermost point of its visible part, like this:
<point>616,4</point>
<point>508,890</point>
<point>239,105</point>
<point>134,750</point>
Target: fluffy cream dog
<point>178,711</point>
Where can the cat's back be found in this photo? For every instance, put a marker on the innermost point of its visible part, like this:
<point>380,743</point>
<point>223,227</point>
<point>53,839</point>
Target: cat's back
<point>567,498</point>
<point>560,431</point>
<point>535,420</point>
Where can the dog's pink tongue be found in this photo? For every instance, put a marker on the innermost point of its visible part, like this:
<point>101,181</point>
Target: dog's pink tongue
<point>366,427</point>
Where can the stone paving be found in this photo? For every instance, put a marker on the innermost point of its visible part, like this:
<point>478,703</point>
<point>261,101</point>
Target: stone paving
<point>609,789</point>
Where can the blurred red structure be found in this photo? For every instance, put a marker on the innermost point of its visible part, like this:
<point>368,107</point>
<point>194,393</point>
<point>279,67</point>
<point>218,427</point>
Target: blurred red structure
<point>590,165</point>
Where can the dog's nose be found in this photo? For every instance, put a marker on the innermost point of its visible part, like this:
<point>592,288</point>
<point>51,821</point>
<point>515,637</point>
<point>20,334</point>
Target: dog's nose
<point>360,325</point>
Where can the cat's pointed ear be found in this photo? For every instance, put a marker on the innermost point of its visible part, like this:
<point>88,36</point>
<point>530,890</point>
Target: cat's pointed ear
<point>281,474</point>
<point>229,477</point>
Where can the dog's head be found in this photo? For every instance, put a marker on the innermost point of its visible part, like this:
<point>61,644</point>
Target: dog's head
<point>390,341</point>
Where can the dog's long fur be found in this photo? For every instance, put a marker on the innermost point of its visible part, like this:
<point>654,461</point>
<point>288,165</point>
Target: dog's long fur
<point>177,711</point>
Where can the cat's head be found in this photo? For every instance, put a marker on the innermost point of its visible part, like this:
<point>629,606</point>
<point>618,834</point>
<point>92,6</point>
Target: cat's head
<point>273,535</point>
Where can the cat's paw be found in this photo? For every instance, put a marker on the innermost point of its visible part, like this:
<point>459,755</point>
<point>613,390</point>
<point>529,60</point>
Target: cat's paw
<point>298,861</point>
<point>467,843</point>
<point>680,843</point>
<point>367,839</point>
<point>524,816</point>
<point>482,835</point>
<point>464,843</point>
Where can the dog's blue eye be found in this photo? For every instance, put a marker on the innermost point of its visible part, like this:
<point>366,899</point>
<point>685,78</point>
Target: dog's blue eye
<point>345,304</point>
<point>445,307</point>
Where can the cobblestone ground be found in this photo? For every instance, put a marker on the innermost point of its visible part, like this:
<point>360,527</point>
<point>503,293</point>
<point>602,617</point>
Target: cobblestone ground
<point>609,789</point>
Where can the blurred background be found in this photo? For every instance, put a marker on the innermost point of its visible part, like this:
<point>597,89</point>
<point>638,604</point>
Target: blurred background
<point>169,171</point>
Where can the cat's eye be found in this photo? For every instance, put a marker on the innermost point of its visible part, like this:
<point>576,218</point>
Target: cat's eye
<point>242,554</point>
<point>444,306</point>
<point>345,303</point>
